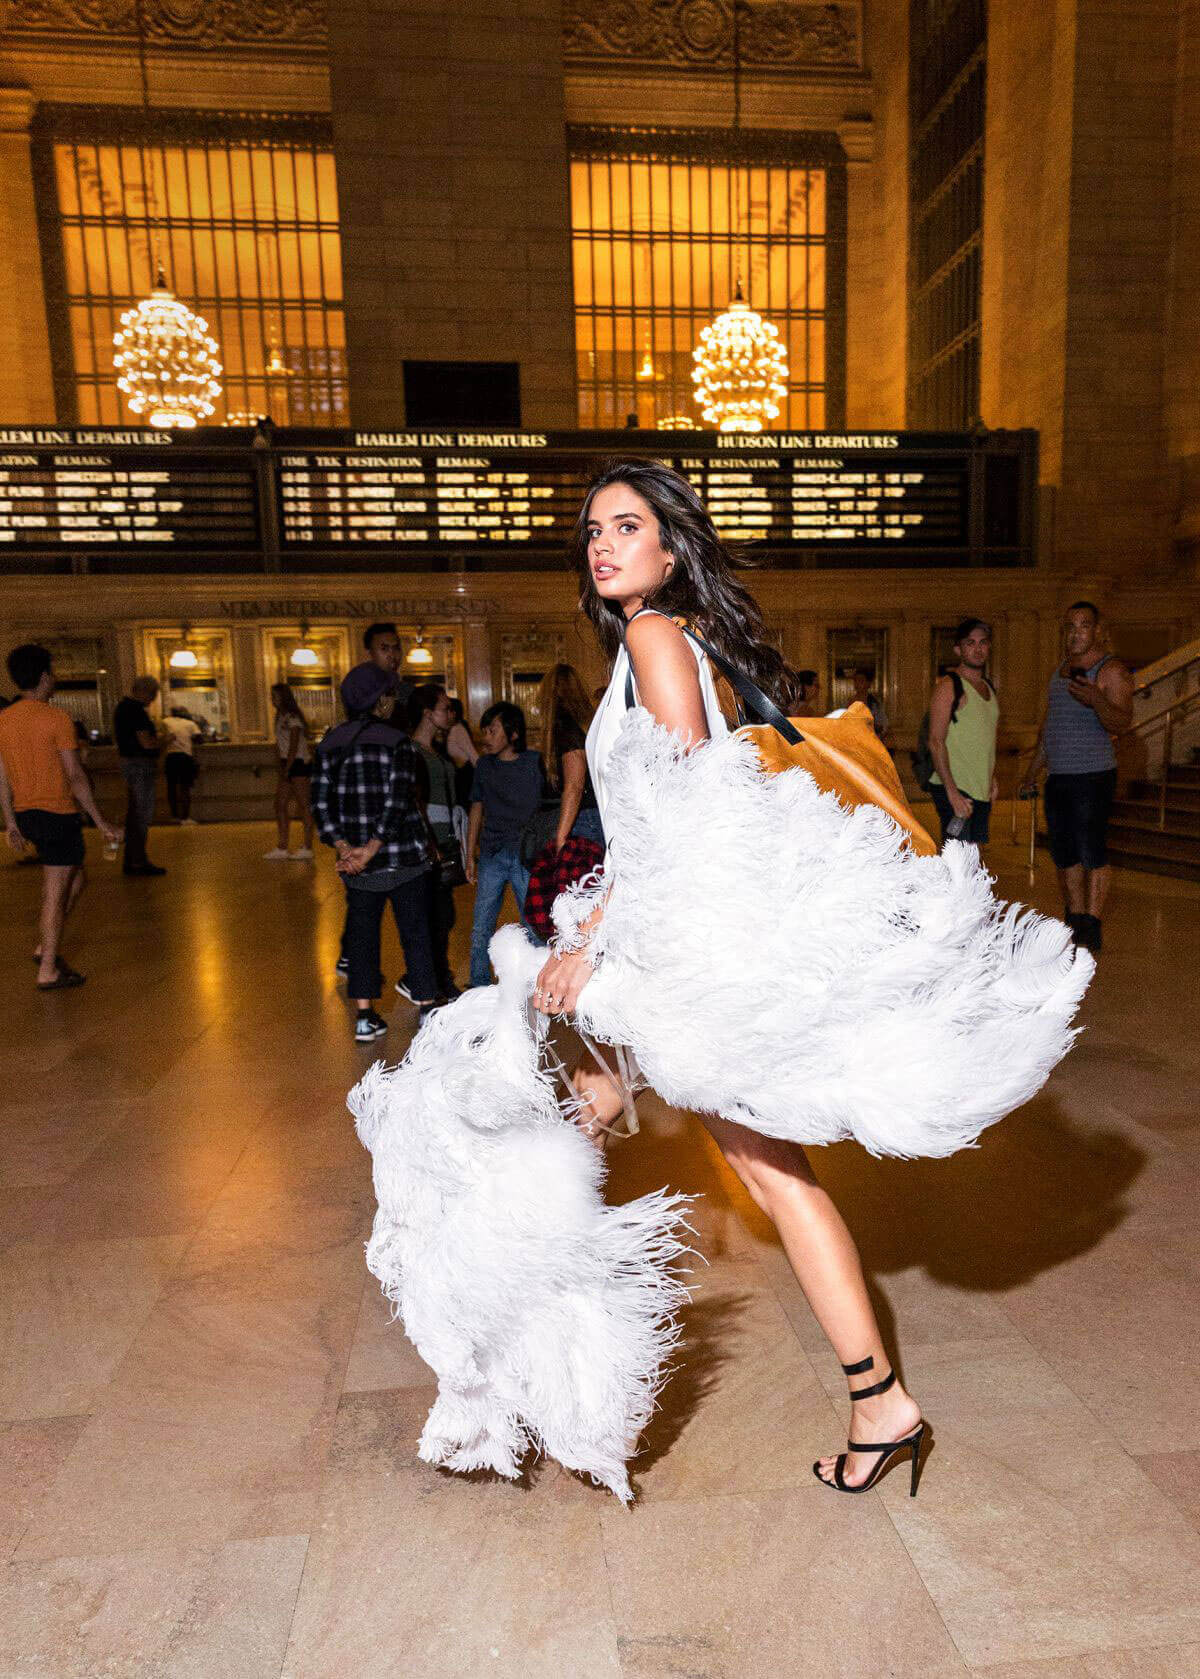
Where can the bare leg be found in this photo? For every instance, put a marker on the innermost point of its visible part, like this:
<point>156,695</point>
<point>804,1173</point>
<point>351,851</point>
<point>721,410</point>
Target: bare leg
<point>1074,888</point>
<point>57,886</point>
<point>78,882</point>
<point>1098,883</point>
<point>605,1103</point>
<point>822,1253</point>
<point>283,810</point>
<point>303,793</point>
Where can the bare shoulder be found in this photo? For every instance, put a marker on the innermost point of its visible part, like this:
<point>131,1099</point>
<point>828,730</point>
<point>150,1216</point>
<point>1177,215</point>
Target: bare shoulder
<point>651,627</point>
<point>652,637</point>
<point>1114,673</point>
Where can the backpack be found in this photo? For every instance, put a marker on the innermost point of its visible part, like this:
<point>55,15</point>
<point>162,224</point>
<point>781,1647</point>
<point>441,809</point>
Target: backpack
<point>923,766</point>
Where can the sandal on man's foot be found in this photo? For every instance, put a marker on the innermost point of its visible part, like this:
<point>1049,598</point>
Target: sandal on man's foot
<point>66,979</point>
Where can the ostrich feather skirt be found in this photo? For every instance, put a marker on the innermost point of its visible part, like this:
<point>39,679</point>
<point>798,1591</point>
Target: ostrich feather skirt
<point>780,960</point>
<point>768,955</point>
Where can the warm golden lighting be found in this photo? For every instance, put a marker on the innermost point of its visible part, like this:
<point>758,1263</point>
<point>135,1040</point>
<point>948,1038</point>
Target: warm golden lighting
<point>741,371</point>
<point>418,653</point>
<point>183,658</point>
<point>304,656</point>
<point>166,361</point>
<point>678,422</point>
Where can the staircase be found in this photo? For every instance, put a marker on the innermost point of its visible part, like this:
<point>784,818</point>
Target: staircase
<point>1156,821</point>
<point>1137,841</point>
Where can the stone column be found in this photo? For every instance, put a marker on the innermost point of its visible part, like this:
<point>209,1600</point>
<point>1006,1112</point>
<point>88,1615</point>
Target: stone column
<point>477,657</point>
<point>26,383</point>
<point>453,189</point>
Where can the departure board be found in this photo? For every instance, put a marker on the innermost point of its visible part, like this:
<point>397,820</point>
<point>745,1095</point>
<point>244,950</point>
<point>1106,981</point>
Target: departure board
<point>274,499</point>
<point>531,496</point>
<point>140,495</point>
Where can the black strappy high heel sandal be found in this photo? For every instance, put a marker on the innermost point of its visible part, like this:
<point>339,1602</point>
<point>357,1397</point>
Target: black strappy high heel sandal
<point>910,1443</point>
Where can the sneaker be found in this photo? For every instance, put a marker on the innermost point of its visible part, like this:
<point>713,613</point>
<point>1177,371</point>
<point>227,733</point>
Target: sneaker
<point>402,990</point>
<point>304,855</point>
<point>144,869</point>
<point>368,1027</point>
<point>342,966</point>
<point>188,822</point>
<point>425,1010</point>
<point>277,855</point>
<point>451,992</point>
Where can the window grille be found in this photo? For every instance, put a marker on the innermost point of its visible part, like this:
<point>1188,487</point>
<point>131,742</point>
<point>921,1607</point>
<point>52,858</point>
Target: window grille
<point>243,213</point>
<point>663,221</point>
<point>947,84</point>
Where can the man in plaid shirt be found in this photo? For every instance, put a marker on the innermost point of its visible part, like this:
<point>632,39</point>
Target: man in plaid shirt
<point>367,805</point>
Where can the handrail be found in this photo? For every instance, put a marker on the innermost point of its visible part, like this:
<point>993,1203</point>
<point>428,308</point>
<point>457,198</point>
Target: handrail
<point>1157,716</point>
<point>1167,717</point>
<point>1171,664</point>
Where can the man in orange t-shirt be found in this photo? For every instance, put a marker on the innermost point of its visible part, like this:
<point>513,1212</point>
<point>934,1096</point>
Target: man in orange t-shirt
<point>42,788</point>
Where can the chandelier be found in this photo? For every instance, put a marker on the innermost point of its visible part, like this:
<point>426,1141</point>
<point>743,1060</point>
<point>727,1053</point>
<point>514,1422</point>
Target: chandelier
<point>741,371</point>
<point>166,360</point>
<point>164,356</point>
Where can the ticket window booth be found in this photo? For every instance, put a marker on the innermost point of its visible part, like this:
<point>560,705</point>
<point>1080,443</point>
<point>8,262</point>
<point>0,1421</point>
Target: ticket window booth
<point>194,669</point>
<point>856,649</point>
<point>524,661</point>
<point>312,661</point>
<point>430,656</point>
<point>83,684</point>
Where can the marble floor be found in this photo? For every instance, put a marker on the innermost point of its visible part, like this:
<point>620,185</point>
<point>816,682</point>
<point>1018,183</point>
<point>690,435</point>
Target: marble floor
<point>208,1426</point>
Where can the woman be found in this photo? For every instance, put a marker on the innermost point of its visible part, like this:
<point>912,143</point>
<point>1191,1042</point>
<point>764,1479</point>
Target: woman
<point>462,752</point>
<point>295,775</point>
<point>428,716</point>
<point>566,715</point>
<point>795,968</point>
<point>647,551</point>
<point>577,847</point>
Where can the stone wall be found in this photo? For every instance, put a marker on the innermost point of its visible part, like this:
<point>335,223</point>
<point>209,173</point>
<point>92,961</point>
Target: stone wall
<point>1182,336</point>
<point>452,180</point>
<point>1027,175</point>
<point>877,276</point>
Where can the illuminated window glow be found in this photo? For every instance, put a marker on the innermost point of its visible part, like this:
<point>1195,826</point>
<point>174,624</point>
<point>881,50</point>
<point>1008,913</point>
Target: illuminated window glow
<point>245,217</point>
<point>663,222</point>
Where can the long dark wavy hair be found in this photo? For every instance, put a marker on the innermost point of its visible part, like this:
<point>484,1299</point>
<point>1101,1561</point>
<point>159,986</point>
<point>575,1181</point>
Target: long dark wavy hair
<point>702,586</point>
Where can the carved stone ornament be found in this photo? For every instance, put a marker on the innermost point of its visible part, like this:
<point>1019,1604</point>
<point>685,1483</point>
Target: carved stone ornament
<point>772,34</point>
<point>292,23</point>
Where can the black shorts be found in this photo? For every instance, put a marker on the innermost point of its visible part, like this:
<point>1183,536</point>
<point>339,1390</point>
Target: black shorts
<point>977,827</point>
<point>57,839</point>
<point>1078,808</point>
<point>301,769</point>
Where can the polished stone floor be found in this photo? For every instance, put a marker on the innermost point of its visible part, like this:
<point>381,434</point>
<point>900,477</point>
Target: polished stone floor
<point>207,1425</point>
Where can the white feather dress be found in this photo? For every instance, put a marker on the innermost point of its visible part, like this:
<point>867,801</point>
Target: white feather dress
<point>767,955</point>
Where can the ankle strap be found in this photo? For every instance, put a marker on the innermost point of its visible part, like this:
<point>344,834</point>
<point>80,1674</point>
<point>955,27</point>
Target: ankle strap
<point>859,1369</point>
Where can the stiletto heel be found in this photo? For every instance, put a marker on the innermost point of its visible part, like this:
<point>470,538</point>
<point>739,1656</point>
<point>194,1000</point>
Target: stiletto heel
<point>887,1450</point>
<point>916,1460</point>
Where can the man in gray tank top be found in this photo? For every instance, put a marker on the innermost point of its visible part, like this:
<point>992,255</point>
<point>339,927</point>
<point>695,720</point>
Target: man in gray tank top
<point>1090,700</point>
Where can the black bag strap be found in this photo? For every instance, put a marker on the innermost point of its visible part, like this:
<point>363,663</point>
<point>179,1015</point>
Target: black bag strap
<point>756,702</point>
<point>960,694</point>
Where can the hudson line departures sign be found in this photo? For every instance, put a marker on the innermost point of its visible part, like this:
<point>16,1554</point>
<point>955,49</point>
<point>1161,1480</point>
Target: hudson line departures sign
<point>291,500</point>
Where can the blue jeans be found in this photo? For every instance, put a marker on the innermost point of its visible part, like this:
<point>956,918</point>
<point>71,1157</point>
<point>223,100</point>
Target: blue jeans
<point>497,869</point>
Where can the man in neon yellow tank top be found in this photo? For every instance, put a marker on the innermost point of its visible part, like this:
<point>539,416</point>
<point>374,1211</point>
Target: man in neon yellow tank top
<point>964,714</point>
